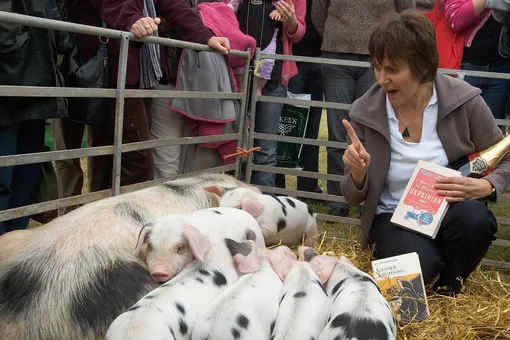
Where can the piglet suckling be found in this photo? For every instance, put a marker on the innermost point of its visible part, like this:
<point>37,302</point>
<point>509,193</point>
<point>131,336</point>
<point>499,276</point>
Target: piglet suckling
<point>171,310</point>
<point>282,219</point>
<point>358,309</point>
<point>167,247</point>
<point>304,306</point>
<point>247,310</point>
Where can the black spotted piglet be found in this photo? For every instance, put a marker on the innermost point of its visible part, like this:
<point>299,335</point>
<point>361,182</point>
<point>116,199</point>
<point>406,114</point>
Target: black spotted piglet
<point>167,251</point>
<point>358,309</point>
<point>282,219</point>
<point>304,306</point>
<point>170,311</point>
<point>246,310</point>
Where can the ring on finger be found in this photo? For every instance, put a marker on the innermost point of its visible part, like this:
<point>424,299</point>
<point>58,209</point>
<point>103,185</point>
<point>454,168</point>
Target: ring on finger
<point>148,26</point>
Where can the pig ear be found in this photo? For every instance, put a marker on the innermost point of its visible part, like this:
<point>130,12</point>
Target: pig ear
<point>142,237</point>
<point>248,264</point>
<point>323,266</point>
<point>286,250</point>
<point>280,262</point>
<point>215,191</point>
<point>252,206</point>
<point>245,255</point>
<point>306,253</point>
<point>198,242</point>
<point>346,260</point>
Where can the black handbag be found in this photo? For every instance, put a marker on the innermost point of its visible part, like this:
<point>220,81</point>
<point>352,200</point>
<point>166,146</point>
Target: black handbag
<point>92,73</point>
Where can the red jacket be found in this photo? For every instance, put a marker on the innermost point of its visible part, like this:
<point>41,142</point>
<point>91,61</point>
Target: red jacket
<point>121,15</point>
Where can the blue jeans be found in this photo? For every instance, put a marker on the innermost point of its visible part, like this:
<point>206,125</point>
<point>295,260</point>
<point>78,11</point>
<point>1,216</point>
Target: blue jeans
<point>495,91</point>
<point>18,182</point>
<point>267,117</point>
<point>342,84</point>
<point>308,80</point>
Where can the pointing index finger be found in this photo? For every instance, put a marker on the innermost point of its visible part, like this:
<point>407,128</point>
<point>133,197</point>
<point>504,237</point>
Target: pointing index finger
<point>350,131</point>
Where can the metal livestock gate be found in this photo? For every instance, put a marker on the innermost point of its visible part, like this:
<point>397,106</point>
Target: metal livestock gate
<point>120,93</point>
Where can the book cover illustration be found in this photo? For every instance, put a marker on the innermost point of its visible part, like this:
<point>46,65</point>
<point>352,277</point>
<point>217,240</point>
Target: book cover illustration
<point>400,280</point>
<point>421,209</point>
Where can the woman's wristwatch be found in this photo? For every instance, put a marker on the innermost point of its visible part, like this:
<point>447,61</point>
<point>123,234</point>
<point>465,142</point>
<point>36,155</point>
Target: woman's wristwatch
<point>492,198</point>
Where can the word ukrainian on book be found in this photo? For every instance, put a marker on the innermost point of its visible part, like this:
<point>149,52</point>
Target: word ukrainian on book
<point>400,279</point>
<point>421,209</point>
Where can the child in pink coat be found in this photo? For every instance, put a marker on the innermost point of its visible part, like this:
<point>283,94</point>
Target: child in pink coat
<point>264,69</point>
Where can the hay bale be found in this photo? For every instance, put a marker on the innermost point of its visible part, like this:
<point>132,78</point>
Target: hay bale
<point>481,311</point>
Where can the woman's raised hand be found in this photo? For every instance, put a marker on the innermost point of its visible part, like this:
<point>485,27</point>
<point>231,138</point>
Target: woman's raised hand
<point>355,157</point>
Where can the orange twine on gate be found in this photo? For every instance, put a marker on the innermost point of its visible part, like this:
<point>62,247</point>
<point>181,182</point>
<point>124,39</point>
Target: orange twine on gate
<point>242,152</point>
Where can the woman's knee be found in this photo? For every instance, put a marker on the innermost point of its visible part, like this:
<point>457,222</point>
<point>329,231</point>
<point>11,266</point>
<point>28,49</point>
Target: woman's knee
<point>473,218</point>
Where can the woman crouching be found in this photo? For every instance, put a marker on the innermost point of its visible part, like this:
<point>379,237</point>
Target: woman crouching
<point>416,113</point>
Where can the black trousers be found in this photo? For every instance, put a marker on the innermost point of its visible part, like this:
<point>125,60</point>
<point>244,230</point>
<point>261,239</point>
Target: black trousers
<point>18,182</point>
<point>463,239</point>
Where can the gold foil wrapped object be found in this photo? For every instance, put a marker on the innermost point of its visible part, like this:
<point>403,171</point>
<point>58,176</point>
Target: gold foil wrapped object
<point>493,155</point>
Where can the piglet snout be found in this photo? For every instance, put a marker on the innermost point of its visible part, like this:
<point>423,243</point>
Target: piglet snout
<point>160,274</point>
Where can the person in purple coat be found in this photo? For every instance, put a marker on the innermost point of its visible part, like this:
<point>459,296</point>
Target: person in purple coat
<point>140,17</point>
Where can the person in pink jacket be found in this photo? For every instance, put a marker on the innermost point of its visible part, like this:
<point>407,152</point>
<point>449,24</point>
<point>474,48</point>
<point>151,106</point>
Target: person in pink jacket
<point>291,29</point>
<point>481,52</point>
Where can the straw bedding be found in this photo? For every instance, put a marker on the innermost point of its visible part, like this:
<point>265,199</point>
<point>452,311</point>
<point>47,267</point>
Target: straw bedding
<point>482,311</point>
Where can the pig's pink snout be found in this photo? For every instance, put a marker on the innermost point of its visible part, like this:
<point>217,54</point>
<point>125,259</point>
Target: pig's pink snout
<point>160,275</point>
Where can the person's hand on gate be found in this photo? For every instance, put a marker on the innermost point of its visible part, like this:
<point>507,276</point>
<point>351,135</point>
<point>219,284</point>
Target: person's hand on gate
<point>219,44</point>
<point>356,157</point>
<point>145,27</point>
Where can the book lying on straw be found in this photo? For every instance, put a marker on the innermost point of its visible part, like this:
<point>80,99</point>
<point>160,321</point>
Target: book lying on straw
<point>400,279</point>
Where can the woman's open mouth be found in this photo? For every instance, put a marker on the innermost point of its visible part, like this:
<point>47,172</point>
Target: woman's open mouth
<point>391,93</point>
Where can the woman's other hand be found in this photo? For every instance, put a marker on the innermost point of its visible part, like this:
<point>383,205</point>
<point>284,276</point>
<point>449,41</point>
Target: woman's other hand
<point>356,157</point>
<point>145,27</point>
<point>221,45</point>
<point>457,189</point>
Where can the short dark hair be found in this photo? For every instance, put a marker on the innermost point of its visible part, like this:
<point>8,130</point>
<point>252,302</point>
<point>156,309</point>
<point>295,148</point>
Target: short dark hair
<point>410,37</point>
